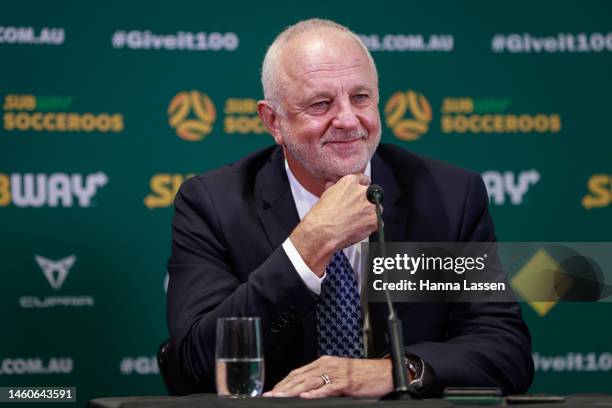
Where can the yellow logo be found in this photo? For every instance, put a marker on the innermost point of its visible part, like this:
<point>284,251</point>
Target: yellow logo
<point>190,128</point>
<point>489,115</point>
<point>536,279</point>
<point>600,192</point>
<point>31,113</point>
<point>163,189</point>
<point>241,117</point>
<point>420,109</point>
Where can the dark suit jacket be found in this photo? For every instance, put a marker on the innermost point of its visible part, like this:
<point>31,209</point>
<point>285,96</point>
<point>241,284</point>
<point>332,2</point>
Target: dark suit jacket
<point>227,260</point>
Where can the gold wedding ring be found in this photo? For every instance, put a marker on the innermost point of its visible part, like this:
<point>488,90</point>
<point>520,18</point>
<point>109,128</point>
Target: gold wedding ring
<point>325,379</point>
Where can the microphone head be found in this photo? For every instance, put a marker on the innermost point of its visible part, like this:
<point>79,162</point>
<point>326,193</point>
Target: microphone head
<point>375,194</point>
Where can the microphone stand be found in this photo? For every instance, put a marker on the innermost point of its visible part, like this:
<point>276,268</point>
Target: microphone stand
<point>402,390</point>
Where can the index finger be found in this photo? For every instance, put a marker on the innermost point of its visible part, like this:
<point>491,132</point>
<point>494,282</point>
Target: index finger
<point>359,178</point>
<point>295,374</point>
<point>364,180</point>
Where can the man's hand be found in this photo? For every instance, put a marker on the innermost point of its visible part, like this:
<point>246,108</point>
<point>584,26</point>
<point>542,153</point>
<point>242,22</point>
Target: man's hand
<point>349,377</point>
<point>342,217</point>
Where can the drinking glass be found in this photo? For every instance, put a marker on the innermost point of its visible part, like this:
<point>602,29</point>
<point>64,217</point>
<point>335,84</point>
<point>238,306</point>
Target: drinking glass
<point>239,357</point>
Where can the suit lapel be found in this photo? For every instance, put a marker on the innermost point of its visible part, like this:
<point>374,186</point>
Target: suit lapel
<point>278,216</point>
<point>395,215</point>
<point>276,208</point>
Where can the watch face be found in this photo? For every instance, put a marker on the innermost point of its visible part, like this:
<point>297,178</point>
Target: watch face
<point>415,365</point>
<point>424,375</point>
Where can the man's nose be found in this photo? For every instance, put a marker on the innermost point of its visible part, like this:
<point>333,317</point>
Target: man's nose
<point>346,117</point>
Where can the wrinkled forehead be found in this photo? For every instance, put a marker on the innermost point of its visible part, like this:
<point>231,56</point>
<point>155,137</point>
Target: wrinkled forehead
<point>321,54</point>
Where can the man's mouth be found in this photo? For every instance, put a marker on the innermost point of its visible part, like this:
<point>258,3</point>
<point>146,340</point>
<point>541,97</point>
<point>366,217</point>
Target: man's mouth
<point>344,141</point>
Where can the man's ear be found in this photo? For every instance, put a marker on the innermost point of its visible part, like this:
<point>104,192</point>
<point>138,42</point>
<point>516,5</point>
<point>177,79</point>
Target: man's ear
<point>271,120</point>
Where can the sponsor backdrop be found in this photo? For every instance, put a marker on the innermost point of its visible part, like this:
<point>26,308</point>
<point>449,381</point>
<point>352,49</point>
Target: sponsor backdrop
<point>107,108</point>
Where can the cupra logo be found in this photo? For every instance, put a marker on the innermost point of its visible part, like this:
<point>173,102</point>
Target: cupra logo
<point>56,272</point>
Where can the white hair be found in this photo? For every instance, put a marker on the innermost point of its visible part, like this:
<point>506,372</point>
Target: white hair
<point>270,73</point>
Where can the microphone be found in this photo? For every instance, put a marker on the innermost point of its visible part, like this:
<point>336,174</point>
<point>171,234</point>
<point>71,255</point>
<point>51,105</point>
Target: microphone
<point>375,194</point>
<point>401,389</point>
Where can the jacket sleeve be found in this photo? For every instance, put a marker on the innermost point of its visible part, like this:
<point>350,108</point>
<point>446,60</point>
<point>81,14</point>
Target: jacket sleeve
<point>203,286</point>
<point>488,344</point>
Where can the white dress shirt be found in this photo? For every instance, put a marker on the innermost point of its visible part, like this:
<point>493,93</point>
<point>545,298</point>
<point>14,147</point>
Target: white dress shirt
<point>304,201</point>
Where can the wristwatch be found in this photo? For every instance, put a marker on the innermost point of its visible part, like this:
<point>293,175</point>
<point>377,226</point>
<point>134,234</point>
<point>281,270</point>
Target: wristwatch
<point>424,380</point>
<point>417,369</point>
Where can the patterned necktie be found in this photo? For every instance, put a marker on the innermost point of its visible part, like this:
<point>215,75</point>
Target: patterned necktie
<point>339,311</point>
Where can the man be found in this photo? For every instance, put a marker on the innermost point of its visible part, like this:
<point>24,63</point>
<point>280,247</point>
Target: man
<point>276,235</point>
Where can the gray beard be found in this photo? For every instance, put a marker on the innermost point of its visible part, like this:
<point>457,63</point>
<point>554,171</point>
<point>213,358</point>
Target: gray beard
<point>320,166</point>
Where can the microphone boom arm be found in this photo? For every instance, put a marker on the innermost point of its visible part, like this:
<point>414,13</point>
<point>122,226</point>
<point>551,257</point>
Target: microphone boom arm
<point>401,388</point>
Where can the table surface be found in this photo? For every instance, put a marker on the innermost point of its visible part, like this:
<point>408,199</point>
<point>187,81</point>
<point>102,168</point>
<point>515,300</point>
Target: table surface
<point>211,400</point>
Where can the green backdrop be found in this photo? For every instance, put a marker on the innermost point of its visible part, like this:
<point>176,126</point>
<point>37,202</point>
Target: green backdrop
<point>107,106</point>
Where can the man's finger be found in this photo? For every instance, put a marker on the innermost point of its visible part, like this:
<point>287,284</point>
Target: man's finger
<point>292,390</point>
<point>298,375</point>
<point>290,382</point>
<point>289,378</point>
<point>363,179</point>
<point>308,367</point>
<point>287,383</point>
<point>329,390</point>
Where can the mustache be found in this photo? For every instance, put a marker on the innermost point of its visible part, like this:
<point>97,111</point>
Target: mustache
<point>341,136</point>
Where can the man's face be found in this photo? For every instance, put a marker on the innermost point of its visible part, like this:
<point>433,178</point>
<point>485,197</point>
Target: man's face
<point>331,126</point>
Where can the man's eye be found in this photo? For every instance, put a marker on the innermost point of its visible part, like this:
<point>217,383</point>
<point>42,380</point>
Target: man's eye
<point>361,98</point>
<point>320,105</point>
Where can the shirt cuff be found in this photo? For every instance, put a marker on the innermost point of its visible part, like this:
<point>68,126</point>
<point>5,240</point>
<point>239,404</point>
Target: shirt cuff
<point>311,280</point>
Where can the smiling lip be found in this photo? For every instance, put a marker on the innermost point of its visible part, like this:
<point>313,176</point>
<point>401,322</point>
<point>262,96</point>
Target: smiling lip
<point>343,141</point>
